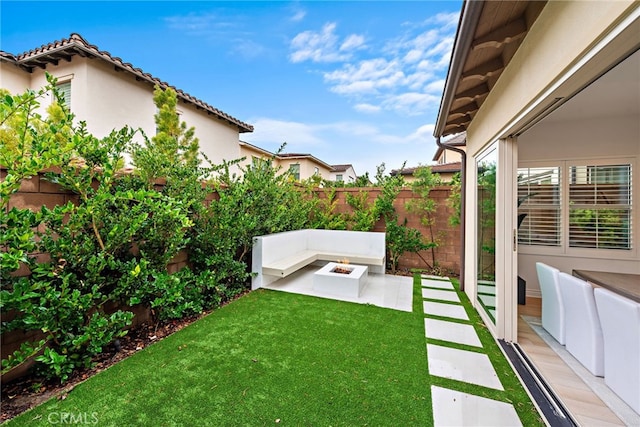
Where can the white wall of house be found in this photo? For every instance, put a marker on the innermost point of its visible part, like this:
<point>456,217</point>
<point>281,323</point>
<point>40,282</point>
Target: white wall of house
<point>107,99</point>
<point>307,167</point>
<point>348,176</point>
<point>12,78</point>
<point>570,44</point>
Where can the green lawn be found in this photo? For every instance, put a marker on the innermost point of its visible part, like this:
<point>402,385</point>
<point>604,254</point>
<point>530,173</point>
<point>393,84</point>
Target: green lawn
<point>274,358</point>
<point>267,356</point>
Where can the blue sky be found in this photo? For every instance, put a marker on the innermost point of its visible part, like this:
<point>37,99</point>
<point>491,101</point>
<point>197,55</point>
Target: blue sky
<point>349,82</point>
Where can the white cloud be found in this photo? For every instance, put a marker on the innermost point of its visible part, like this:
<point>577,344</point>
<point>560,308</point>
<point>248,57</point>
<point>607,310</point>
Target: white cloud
<point>298,15</point>
<point>447,21</point>
<point>323,46</point>
<point>365,78</point>
<point>273,131</point>
<point>412,103</point>
<point>402,76</point>
<point>362,144</point>
<point>367,108</point>
<point>354,41</point>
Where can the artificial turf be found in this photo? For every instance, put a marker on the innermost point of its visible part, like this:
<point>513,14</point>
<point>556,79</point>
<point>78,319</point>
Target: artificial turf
<point>267,358</point>
<point>275,358</point>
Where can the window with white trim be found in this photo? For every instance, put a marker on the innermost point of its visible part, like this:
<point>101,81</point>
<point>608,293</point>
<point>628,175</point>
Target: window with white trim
<point>539,206</point>
<point>294,170</point>
<point>64,90</point>
<point>600,206</point>
<point>596,199</point>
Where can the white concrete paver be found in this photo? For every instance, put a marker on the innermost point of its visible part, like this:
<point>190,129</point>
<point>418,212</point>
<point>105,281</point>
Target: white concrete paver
<point>440,295</point>
<point>462,365</point>
<point>454,408</point>
<point>452,332</point>
<point>439,284</point>
<point>454,311</point>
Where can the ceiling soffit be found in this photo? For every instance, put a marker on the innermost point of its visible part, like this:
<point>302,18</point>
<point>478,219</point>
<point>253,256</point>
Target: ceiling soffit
<point>500,30</point>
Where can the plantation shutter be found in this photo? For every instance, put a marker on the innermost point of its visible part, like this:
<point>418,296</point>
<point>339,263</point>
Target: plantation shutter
<point>600,207</point>
<point>64,89</point>
<point>539,206</point>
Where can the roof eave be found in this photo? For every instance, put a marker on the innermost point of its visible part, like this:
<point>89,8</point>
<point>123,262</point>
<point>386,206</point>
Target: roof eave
<point>469,18</point>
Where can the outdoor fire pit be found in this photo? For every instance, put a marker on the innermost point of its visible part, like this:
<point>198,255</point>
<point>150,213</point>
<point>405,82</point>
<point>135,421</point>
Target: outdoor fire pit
<point>341,279</point>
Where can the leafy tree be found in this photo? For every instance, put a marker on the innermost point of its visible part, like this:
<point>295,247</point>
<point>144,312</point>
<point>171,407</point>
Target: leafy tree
<point>30,142</point>
<point>364,216</point>
<point>173,145</point>
<point>454,200</point>
<point>424,206</point>
<point>400,238</point>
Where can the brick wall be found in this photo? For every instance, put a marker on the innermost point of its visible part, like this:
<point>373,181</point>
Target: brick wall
<point>37,192</point>
<point>447,254</point>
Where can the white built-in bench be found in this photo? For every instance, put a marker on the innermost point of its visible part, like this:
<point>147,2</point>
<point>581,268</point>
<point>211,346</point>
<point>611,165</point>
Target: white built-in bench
<point>278,255</point>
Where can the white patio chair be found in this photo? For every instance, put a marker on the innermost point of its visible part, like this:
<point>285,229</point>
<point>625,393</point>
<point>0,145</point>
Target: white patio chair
<point>552,306</point>
<point>620,320</point>
<point>583,334</point>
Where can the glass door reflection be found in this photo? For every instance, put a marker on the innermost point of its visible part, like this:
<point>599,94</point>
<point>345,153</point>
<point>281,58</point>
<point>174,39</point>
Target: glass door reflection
<point>486,165</point>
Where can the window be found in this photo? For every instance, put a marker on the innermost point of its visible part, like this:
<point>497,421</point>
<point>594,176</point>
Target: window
<point>64,90</point>
<point>539,208</point>
<point>339,177</point>
<point>595,199</point>
<point>600,207</point>
<point>316,171</point>
<point>294,170</point>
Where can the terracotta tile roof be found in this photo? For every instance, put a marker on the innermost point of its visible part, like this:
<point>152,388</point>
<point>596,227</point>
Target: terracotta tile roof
<point>65,49</point>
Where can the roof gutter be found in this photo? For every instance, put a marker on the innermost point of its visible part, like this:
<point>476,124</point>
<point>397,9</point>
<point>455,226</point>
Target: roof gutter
<point>469,18</point>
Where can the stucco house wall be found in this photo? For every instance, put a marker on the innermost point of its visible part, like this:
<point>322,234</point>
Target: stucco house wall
<point>108,97</point>
<point>557,41</point>
<point>348,175</point>
<point>307,167</point>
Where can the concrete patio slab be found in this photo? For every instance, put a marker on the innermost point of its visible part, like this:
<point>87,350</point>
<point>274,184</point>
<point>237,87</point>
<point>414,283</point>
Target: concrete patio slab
<point>382,290</point>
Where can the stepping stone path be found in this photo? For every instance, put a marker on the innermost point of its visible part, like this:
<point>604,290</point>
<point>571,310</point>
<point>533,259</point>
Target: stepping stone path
<point>447,322</point>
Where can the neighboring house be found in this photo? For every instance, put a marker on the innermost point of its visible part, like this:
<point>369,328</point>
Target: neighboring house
<point>253,153</point>
<point>301,166</point>
<point>304,166</point>
<point>445,170</point>
<point>343,173</point>
<point>444,156</point>
<point>108,93</point>
<point>548,95</point>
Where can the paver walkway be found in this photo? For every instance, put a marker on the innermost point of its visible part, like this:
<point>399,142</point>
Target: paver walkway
<point>447,322</point>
